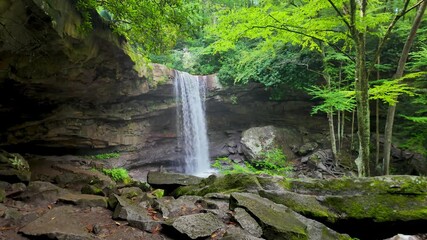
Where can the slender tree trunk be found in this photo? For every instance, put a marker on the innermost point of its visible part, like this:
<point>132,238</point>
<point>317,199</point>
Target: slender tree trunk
<point>352,130</point>
<point>362,87</point>
<point>330,114</point>
<point>377,124</point>
<point>342,129</point>
<point>388,132</point>
<point>332,133</point>
<point>377,133</point>
<point>338,131</point>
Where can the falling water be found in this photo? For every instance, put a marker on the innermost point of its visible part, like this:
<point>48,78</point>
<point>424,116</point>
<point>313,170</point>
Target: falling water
<point>190,94</point>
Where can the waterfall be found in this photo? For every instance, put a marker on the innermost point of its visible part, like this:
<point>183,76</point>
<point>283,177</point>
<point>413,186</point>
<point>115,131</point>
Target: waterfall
<point>190,92</point>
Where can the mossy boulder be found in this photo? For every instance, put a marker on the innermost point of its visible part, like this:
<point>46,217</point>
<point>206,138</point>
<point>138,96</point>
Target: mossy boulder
<point>223,184</point>
<point>398,184</point>
<point>307,205</point>
<point>378,199</point>
<point>276,220</point>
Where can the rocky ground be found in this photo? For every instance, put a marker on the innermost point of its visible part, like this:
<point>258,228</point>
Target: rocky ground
<point>70,199</point>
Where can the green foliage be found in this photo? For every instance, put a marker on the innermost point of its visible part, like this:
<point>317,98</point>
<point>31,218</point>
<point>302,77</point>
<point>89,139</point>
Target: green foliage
<point>152,26</point>
<point>105,156</point>
<point>158,193</point>
<point>117,174</point>
<point>389,90</point>
<point>333,99</point>
<point>17,163</point>
<point>272,162</point>
<point>282,66</point>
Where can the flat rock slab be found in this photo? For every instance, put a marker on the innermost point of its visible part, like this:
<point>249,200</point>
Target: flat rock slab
<point>184,205</point>
<point>247,222</point>
<point>162,178</point>
<point>59,223</point>
<point>277,221</point>
<point>136,215</point>
<point>198,225</point>
<point>85,200</point>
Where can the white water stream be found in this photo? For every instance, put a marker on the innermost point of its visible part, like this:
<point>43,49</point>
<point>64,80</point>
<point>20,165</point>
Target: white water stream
<point>190,94</point>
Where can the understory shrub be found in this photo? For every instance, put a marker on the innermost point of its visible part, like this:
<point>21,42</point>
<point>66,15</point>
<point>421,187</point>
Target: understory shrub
<point>117,174</point>
<point>272,162</point>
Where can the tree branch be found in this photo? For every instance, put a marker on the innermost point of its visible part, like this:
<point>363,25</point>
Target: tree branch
<point>402,13</point>
<point>284,28</point>
<point>340,14</point>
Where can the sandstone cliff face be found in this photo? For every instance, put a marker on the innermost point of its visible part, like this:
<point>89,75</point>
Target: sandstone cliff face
<point>62,88</point>
<point>65,92</point>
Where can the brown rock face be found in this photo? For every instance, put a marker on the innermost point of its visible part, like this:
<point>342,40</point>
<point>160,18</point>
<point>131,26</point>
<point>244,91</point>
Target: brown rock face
<point>65,92</point>
<point>61,88</point>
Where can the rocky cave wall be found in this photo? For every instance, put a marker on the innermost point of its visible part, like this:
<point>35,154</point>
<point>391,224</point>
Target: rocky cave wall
<point>66,92</point>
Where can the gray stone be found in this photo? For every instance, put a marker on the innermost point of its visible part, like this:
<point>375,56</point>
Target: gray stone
<point>131,192</point>
<point>85,200</point>
<point>307,148</point>
<point>42,191</point>
<point>12,214</point>
<point>59,223</point>
<point>18,188</point>
<point>218,196</point>
<point>258,140</point>
<point>247,222</point>
<point>171,207</point>
<point>277,221</point>
<point>236,233</point>
<point>162,178</point>
<point>197,225</point>
<point>231,150</point>
<point>136,216</point>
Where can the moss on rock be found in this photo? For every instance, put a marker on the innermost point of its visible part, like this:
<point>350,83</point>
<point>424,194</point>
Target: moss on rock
<point>399,184</point>
<point>307,205</point>
<point>379,208</point>
<point>223,184</point>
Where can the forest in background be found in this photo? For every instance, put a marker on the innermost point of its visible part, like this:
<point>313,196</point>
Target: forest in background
<point>356,56</point>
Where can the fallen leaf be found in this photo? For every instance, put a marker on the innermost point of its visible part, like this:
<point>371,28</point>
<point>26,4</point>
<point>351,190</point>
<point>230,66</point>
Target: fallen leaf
<point>89,228</point>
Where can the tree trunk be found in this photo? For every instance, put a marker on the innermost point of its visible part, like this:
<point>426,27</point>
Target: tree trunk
<point>388,132</point>
<point>362,87</point>
<point>332,133</point>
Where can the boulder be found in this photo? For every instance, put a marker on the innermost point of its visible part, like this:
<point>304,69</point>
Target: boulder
<point>222,184</point>
<point>358,206</point>
<point>247,222</point>
<point>198,225</point>
<point>307,148</point>
<point>170,181</point>
<point>236,233</point>
<point>136,215</point>
<point>13,168</point>
<point>39,191</point>
<point>258,140</point>
<point>163,178</point>
<point>85,200</point>
<point>77,177</point>
<point>184,205</point>
<point>277,221</point>
<point>58,223</point>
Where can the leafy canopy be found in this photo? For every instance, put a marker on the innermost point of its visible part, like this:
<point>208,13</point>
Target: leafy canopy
<point>151,25</point>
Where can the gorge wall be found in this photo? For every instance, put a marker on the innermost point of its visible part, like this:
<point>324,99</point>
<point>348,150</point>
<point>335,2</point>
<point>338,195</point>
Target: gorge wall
<point>66,92</point>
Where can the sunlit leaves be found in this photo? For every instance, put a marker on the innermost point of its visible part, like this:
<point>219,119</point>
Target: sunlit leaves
<point>388,91</point>
<point>152,25</point>
<point>333,99</point>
